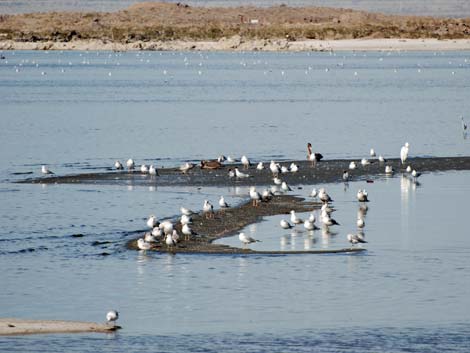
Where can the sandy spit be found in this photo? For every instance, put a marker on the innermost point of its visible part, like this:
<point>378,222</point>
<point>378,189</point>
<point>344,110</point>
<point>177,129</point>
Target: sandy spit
<point>237,44</point>
<point>10,326</point>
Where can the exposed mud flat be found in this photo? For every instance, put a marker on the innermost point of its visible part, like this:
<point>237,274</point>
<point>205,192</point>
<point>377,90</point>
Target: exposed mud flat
<point>227,222</point>
<point>323,172</point>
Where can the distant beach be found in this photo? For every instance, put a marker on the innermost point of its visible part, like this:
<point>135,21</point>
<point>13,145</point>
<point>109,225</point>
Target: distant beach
<point>165,26</point>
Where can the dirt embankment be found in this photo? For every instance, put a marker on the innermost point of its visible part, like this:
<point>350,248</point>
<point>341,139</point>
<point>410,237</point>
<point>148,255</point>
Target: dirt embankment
<point>162,22</point>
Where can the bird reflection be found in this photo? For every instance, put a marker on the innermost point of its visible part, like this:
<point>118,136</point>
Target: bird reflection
<point>284,241</point>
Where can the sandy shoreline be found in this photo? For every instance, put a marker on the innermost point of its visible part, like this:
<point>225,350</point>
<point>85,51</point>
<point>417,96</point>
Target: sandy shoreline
<point>12,326</point>
<point>237,44</point>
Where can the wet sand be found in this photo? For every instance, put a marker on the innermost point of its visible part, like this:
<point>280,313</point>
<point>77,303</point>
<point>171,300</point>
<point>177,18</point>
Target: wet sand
<point>10,326</point>
<point>328,171</point>
<point>236,44</point>
<point>230,221</point>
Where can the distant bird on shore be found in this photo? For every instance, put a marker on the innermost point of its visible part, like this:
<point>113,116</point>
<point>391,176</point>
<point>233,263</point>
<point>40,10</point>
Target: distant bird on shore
<point>345,175</point>
<point>153,170</point>
<point>231,159</point>
<point>372,152</point>
<point>144,169</point>
<point>143,245</point>
<point>211,164</point>
<point>245,239</point>
<point>185,219</point>
<point>246,162</point>
<point>187,231</point>
<point>365,162</point>
<point>415,174</point>
<point>241,175</point>
<point>260,166</point>
<point>404,152</point>
<point>408,169</point>
<point>352,165</point>
<point>186,211</point>
<point>221,158</point>
<point>312,156</point>
<point>208,209</point>
<point>112,316</point>
<point>186,167</point>
<point>130,164</point>
<point>293,168</point>
<point>382,159</point>
<point>275,168</point>
<point>152,221</point>
<point>222,202</point>
<point>169,241</point>
<point>255,196</point>
<point>284,224</point>
<point>118,165</point>
<point>388,169</point>
<point>45,170</point>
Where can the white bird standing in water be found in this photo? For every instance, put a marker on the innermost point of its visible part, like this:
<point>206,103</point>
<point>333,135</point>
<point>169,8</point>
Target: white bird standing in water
<point>294,219</point>
<point>284,224</point>
<point>260,166</point>
<point>404,152</point>
<point>118,165</point>
<point>362,196</point>
<point>245,239</point>
<point>285,187</point>
<point>130,164</point>
<point>309,225</point>
<point>112,316</point>
<point>355,238</point>
<point>388,169</point>
<point>323,196</point>
<point>45,170</point>
<point>360,223</point>
<point>314,193</point>
<point>144,169</point>
<point>153,170</point>
<point>352,165</point>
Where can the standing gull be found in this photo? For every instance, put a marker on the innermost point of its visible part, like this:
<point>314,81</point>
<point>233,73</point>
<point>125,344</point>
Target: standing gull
<point>404,152</point>
<point>45,170</point>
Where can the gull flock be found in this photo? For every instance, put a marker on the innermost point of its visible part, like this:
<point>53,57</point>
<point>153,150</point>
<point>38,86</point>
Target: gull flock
<point>164,232</point>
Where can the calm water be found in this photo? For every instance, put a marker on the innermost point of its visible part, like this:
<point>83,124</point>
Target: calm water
<point>409,292</point>
<point>447,8</point>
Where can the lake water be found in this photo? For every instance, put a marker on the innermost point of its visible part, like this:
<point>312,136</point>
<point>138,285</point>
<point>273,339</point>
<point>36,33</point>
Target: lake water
<point>447,8</point>
<point>408,292</point>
